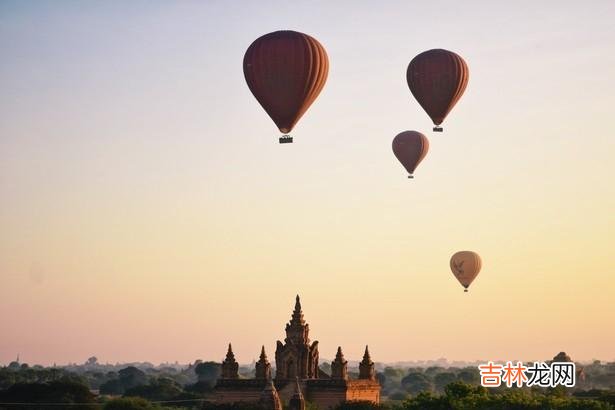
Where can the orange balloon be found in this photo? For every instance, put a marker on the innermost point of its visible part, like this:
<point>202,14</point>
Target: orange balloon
<point>285,70</point>
<point>410,147</point>
<point>465,265</point>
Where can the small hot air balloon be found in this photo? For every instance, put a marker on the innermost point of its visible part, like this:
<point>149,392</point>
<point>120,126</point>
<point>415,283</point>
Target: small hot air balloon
<point>465,266</point>
<point>285,70</point>
<point>437,79</point>
<point>410,147</point>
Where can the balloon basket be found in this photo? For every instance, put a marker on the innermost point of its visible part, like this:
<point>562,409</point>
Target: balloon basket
<point>286,139</point>
<point>438,129</point>
<point>411,176</point>
<point>465,290</point>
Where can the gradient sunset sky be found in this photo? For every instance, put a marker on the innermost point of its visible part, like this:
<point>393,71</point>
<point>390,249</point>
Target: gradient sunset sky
<point>148,213</point>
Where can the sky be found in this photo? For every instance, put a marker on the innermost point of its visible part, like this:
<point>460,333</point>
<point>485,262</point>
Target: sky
<point>148,213</point>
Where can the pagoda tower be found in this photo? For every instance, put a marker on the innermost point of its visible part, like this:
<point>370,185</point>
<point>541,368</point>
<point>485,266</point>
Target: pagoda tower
<point>339,367</point>
<point>296,357</point>
<point>366,367</point>
<point>263,367</point>
<point>230,367</point>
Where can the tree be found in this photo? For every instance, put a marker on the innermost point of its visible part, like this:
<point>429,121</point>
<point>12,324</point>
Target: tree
<point>158,389</point>
<point>426,401</point>
<point>208,372</point>
<point>60,391</point>
<point>92,361</point>
<point>393,373</point>
<point>381,378</point>
<point>461,396</point>
<point>459,390</point>
<point>416,382</point>
<point>113,387</point>
<point>14,365</point>
<point>442,379</point>
<point>131,377</point>
<point>469,375</point>
<point>398,395</point>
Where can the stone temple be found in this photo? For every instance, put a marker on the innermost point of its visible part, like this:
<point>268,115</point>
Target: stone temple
<point>297,375</point>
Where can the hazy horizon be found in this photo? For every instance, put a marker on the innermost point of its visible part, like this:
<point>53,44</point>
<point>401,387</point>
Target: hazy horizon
<point>147,211</point>
<point>352,363</point>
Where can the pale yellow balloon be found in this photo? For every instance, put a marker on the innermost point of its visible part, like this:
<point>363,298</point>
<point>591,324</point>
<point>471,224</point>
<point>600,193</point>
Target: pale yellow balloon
<point>465,265</point>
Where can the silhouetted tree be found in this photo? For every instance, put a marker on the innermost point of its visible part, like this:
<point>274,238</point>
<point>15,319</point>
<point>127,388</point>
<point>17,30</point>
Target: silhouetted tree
<point>157,389</point>
<point>59,391</point>
<point>131,377</point>
<point>471,376</point>
<point>442,379</point>
<point>416,382</point>
<point>208,372</point>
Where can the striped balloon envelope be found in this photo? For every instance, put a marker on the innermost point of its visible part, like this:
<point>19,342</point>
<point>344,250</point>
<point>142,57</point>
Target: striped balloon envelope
<point>285,70</point>
<point>437,79</point>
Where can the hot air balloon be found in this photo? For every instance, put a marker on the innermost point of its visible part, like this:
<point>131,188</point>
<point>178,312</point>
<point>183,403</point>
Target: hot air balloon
<point>410,147</point>
<point>285,70</point>
<point>465,266</point>
<point>437,79</point>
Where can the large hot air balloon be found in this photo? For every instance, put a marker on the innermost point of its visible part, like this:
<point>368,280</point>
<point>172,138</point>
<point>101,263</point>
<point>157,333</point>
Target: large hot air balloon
<point>285,70</point>
<point>410,147</point>
<point>465,266</point>
<point>437,79</point>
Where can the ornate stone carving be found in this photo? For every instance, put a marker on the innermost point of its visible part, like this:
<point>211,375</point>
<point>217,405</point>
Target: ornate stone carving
<point>270,399</point>
<point>297,402</point>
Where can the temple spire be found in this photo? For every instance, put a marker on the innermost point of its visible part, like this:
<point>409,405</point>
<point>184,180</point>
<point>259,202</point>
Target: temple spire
<point>366,356</point>
<point>366,367</point>
<point>339,367</point>
<point>297,331</point>
<point>296,356</point>
<point>230,367</point>
<point>263,367</point>
<point>229,353</point>
<point>297,317</point>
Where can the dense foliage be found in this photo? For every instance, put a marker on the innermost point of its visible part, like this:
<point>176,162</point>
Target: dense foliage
<point>56,391</point>
<point>144,386</point>
<point>401,383</point>
<point>462,396</point>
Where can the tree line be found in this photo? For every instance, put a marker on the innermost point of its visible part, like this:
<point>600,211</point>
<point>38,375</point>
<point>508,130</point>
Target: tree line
<point>144,386</point>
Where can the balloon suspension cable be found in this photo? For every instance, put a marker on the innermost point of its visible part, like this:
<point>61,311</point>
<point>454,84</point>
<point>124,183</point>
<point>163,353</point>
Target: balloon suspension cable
<point>437,128</point>
<point>411,176</point>
<point>286,139</point>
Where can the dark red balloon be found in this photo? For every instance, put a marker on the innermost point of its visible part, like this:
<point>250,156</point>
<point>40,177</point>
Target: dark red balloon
<point>285,70</point>
<point>437,79</point>
<point>410,147</point>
